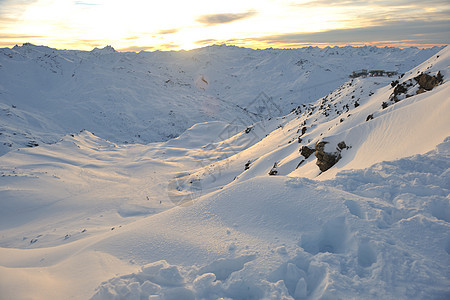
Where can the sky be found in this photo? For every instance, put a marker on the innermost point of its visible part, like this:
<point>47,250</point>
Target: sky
<point>134,25</point>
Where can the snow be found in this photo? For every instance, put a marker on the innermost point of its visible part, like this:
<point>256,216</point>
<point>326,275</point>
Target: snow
<point>85,215</point>
<point>155,96</point>
<point>357,235</point>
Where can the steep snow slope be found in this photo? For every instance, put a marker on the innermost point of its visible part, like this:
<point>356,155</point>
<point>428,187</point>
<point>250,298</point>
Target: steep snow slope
<point>198,217</point>
<point>411,126</point>
<point>147,97</point>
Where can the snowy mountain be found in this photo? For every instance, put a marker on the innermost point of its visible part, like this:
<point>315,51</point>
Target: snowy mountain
<point>338,189</point>
<point>155,96</point>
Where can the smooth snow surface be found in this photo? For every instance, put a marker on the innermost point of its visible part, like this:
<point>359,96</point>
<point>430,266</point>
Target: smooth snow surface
<point>87,216</point>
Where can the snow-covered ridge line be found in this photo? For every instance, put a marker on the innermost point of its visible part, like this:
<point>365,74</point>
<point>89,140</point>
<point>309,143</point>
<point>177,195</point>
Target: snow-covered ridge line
<point>353,116</point>
<point>381,234</point>
<point>155,96</point>
<point>232,210</point>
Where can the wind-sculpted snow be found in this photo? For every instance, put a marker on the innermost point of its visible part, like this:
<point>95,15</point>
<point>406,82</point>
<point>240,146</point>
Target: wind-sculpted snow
<point>379,233</point>
<point>228,209</point>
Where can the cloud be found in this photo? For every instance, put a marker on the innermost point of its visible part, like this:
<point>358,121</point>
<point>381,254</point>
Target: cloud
<point>134,37</point>
<point>215,19</point>
<point>6,36</point>
<point>8,6</point>
<point>11,11</point>
<point>85,3</point>
<point>10,39</point>
<point>384,3</point>
<point>329,3</point>
<point>168,46</point>
<point>168,31</point>
<point>5,44</point>
<point>415,32</point>
<point>17,2</point>
<point>136,48</point>
<point>206,42</point>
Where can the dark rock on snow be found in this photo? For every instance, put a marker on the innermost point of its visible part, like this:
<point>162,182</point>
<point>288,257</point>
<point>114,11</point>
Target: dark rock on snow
<point>325,160</point>
<point>306,151</point>
<point>274,171</point>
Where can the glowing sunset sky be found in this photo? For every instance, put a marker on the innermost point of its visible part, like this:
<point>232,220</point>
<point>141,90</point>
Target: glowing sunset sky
<point>173,24</point>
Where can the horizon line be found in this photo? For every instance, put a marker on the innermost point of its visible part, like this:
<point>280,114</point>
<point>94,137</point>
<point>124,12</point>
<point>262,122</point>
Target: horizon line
<point>137,49</point>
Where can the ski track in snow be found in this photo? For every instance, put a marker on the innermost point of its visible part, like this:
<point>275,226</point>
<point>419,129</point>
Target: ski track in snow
<point>198,216</point>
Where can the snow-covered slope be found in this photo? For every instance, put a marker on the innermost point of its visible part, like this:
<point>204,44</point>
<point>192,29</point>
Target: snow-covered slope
<point>199,216</point>
<point>148,97</point>
<point>353,114</point>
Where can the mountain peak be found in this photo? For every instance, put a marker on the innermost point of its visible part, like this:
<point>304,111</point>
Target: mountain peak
<point>105,50</point>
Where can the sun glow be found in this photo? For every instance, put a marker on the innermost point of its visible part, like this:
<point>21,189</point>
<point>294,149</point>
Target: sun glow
<point>137,25</point>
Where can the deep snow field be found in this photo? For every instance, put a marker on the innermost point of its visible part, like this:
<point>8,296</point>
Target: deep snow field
<point>151,175</point>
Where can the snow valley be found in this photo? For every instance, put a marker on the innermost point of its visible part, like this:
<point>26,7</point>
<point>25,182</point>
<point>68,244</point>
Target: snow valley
<point>225,172</point>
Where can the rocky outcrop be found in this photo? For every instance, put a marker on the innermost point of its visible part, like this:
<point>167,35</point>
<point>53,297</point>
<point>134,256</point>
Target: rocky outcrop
<point>342,145</point>
<point>304,130</point>
<point>415,86</point>
<point>326,160</point>
<point>274,171</point>
<point>400,89</point>
<point>306,152</point>
<point>427,82</point>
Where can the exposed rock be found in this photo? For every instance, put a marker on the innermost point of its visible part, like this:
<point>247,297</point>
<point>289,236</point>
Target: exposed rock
<point>326,160</point>
<point>427,82</point>
<point>423,82</point>
<point>304,130</point>
<point>369,117</point>
<point>299,164</point>
<point>440,77</point>
<point>394,83</point>
<point>342,145</point>
<point>306,151</point>
<point>400,89</point>
<point>274,171</point>
<point>247,165</point>
<point>32,144</point>
<point>420,91</point>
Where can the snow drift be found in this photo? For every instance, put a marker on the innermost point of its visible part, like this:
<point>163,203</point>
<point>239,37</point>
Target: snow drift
<point>199,216</point>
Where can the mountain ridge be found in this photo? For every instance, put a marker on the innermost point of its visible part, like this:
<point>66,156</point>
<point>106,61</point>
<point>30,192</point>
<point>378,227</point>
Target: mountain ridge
<point>236,209</point>
<point>154,96</point>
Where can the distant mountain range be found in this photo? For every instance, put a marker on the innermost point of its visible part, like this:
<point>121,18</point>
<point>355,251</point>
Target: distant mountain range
<point>154,96</point>
<point>225,173</point>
